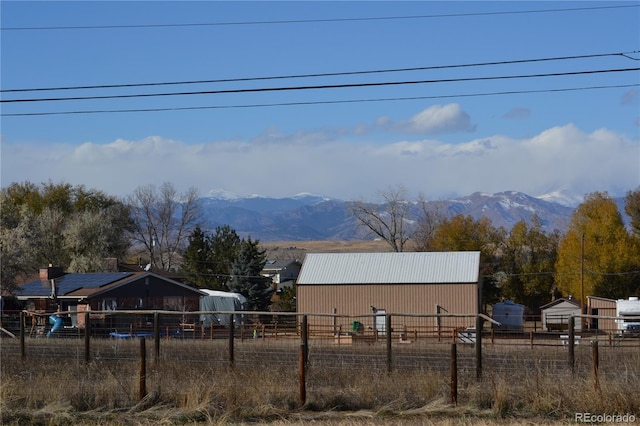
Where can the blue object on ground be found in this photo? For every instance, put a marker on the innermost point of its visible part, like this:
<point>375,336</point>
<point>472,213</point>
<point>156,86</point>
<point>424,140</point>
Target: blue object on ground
<point>56,322</point>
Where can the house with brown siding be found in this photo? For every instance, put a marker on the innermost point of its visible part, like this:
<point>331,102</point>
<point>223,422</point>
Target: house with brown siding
<point>353,284</point>
<point>110,291</point>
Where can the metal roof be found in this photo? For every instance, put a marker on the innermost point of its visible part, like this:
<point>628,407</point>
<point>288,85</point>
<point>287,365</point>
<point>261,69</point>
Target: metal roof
<point>390,268</point>
<point>69,283</point>
<point>277,264</point>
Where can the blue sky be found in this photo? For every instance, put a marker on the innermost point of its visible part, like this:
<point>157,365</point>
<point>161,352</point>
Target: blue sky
<point>575,133</point>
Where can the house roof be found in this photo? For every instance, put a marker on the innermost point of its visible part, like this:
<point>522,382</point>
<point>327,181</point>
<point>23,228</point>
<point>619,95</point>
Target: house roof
<point>88,285</point>
<point>390,268</point>
<point>278,264</point>
<point>559,301</point>
<point>604,299</point>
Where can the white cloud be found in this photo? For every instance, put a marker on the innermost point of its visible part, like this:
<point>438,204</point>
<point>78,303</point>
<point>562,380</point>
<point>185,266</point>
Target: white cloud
<point>275,164</point>
<point>437,119</point>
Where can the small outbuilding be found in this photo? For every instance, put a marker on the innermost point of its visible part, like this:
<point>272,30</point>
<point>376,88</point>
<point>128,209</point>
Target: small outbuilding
<point>556,314</point>
<point>602,307</point>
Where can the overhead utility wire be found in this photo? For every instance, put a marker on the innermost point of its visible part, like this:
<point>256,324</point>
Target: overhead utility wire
<point>309,21</point>
<point>316,87</point>
<point>313,102</point>
<point>331,74</point>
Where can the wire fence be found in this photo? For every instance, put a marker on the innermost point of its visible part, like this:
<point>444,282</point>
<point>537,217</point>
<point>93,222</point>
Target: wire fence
<point>467,346</point>
<point>338,341</point>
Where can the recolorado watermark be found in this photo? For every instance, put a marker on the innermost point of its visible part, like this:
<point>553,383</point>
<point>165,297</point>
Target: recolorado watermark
<point>604,418</point>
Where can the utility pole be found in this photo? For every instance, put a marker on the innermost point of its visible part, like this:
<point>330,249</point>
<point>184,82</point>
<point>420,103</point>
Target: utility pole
<point>582,301</point>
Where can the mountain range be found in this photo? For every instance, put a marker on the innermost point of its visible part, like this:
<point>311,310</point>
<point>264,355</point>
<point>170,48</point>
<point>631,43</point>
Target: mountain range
<point>305,217</point>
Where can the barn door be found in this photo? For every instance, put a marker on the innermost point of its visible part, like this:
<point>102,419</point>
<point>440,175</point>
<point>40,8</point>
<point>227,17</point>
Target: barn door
<point>380,320</point>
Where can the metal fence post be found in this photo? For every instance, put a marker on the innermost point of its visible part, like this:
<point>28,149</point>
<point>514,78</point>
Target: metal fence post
<point>454,375</point>
<point>231,336</point>
<point>304,337</point>
<point>87,336</point>
<point>572,340</point>
<point>531,339</point>
<point>142,379</point>
<point>479,325</point>
<point>302,374</point>
<point>156,337</point>
<point>387,327</point>
<point>23,349</point>
<point>596,361</point>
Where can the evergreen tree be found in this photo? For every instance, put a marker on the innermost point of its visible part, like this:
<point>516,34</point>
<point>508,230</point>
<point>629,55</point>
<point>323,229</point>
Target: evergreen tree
<point>224,246</point>
<point>246,278</point>
<point>196,262</point>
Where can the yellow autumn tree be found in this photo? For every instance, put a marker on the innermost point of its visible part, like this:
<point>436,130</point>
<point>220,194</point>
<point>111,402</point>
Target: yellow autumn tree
<point>597,256</point>
<point>464,233</point>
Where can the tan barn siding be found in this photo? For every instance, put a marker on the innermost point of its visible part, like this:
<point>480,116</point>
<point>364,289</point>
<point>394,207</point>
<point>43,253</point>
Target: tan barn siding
<point>606,308</point>
<point>356,300</point>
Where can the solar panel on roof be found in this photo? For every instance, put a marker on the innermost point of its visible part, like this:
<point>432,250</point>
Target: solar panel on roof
<point>72,282</point>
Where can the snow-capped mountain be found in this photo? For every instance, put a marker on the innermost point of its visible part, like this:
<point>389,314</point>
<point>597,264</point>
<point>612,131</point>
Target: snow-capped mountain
<point>561,197</point>
<point>316,217</point>
<point>508,208</point>
<point>257,203</point>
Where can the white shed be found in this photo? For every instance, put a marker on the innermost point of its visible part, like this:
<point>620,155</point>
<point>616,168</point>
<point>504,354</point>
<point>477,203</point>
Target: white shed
<point>555,315</point>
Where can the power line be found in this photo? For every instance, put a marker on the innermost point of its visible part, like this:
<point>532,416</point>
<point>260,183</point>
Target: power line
<point>315,87</point>
<point>309,21</point>
<point>317,102</point>
<point>331,74</point>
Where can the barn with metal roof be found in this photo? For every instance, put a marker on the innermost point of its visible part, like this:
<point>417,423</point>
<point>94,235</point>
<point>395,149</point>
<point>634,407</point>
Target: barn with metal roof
<point>407,283</point>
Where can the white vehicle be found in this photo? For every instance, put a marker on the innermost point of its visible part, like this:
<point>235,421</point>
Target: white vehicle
<point>221,301</point>
<point>628,313</point>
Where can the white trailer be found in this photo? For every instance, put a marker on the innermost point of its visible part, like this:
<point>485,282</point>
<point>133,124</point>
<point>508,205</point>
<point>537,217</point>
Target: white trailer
<point>628,316</point>
<point>221,301</point>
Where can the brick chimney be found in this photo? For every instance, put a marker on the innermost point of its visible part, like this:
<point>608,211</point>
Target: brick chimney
<point>50,273</point>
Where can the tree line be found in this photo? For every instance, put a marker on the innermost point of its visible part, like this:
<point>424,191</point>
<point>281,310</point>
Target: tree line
<point>80,229</point>
<point>597,256</point>
<point>84,230</point>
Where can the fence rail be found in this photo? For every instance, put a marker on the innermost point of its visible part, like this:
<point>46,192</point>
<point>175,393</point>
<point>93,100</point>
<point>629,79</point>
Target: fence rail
<point>393,331</point>
<point>460,344</point>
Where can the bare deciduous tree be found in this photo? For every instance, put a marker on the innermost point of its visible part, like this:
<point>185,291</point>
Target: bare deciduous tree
<point>430,217</point>
<point>389,222</point>
<point>163,221</point>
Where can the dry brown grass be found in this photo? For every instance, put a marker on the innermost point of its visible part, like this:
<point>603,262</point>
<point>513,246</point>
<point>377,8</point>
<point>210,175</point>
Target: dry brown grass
<point>193,384</point>
<point>293,249</point>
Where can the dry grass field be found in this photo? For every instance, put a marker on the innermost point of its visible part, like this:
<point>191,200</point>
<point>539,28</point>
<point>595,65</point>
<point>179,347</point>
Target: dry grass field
<point>192,384</point>
<point>332,246</point>
<point>297,249</point>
